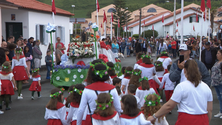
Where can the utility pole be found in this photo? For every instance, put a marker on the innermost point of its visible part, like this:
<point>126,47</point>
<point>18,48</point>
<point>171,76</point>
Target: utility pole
<point>174,20</point>
<point>140,23</point>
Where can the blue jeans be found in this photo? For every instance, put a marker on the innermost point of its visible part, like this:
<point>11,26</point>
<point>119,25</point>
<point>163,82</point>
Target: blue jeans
<point>49,68</point>
<point>219,95</point>
<point>127,51</point>
<point>157,51</point>
<point>123,49</point>
<point>174,53</point>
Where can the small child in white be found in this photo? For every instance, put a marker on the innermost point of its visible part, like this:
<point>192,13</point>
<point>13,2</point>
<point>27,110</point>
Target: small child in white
<point>169,85</point>
<point>131,91</point>
<point>36,85</point>
<point>105,113</point>
<point>126,79</point>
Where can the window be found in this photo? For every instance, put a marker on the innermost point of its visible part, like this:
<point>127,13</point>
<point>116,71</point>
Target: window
<point>111,10</point>
<point>150,10</point>
<point>193,19</point>
<point>60,32</point>
<point>219,14</point>
<point>41,34</point>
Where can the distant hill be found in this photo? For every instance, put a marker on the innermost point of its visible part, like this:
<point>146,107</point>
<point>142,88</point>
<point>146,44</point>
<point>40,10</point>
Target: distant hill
<point>84,8</point>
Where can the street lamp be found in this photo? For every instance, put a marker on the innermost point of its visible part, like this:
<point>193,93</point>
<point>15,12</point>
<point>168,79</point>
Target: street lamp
<point>73,6</point>
<point>126,23</point>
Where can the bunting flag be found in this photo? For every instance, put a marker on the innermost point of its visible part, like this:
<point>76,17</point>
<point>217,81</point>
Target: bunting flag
<point>202,7</point>
<point>193,28</point>
<point>204,16</point>
<point>53,7</point>
<point>104,17</point>
<point>101,26</point>
<point>152,27</point>
<point>163,19</point>
<point>209,4</point>
<point>97,5</point>
<point>196,17</point>
<point>118,23</point>
<point>177,23</point>
<point>112,16</point>
<point>143,22</point>
<point>127,28</point>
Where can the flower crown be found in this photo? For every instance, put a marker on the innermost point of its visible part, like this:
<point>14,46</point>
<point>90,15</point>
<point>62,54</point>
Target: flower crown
<point>100,73</point>
<point>5,67</point>
<point>145,56</point>
<point>104,106</point>
<point>143,78</point>
<point>160,64</point>
<point>152,103</point>
<point>128,72</point>
<point>76,90</point>
<point>36,70</point>
<point>164,52</point>
<point>56,94</point>
<point>19,51</point>
<point>137,73</point>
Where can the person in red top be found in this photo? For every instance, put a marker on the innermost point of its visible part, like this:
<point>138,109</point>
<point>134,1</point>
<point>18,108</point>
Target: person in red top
<point>59,42</point>
<point>174,47</point>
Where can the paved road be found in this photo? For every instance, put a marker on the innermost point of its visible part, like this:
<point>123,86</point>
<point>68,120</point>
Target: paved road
<point>31,112</point>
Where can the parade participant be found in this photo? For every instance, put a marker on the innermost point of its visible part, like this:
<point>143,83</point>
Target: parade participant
<point>152,105</point>
<point>148,70</point>
<point>217,80</point>
<point>20,70</point>
<point>138,59</point>
<point>123,72</point>
<point>99,75</point>
<point>105,113</point>
<point>28,57</point>
<point>177,71</point>
<point>126,79</point>
<point>7,79</point>
<point>165,59</point>
<point>134,79</point>
<point>159,71</point>
<point>36,85</point>
<point>169,85</point>
<point>132,91</point>
<point>55,111</point>
<point>117,81</point>
<point>131,114</point>
<point>144,90</point>
<point>162,46</point>
<point>73,100</point>
<point>111,70</point>
<point>193,97</point>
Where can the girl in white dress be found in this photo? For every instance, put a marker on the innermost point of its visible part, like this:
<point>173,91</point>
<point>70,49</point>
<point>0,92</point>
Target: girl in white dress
<point>126,79</point>
<point>105,113</point>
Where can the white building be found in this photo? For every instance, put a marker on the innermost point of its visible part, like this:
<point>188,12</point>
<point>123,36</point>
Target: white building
<point>29,18</point>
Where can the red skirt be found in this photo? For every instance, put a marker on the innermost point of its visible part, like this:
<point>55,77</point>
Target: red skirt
<point>20,73</point>
<point>166,71</point>
<point>35,86</point>
<point>153,85</point>
<point>7,88</point>
<point>187,119</point>
<point>156,84</point>
<point>54,122</point>
<point>88,121</point>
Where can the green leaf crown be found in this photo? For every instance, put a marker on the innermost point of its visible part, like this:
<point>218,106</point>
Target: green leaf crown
<point>146,56</point>
<point>56,94</point>
<point>104,106</point>
<point>137,73</point>
<point>143,78</point>
<point>76,90</point>
<point>152,103</point>
<point>100,73</point>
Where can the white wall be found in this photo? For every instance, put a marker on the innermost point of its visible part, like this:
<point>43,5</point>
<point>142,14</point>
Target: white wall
<point>20,15</point>
<point>43,19</point>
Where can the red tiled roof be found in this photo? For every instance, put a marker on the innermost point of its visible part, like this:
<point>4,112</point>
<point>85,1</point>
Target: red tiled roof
<point>36,5</point>
<point>138,19</point>
<point>170,15</point>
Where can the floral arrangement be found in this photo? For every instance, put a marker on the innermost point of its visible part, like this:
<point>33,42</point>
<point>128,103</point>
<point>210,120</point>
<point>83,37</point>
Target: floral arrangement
<point>57,67</point>
<point>56,94</point>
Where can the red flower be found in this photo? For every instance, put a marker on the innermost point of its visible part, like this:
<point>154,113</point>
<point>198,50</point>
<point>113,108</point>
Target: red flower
<point>156,103</point>
<point>100,106</point>
<point>80,92</point>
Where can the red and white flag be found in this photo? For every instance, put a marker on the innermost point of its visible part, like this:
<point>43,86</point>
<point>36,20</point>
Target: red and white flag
<point>112,16</point>
<point>97,5</point>
<point>163,19</point>
<point>152,27</point>
<point>193,28</point>
<point>53,7</point>
<point>209,4</point>
<point>202,7</point>
<point>104,17</point>
<point>196,17</point>
<point>143,22</point>
<point>118,23</point>
<point>204,16</point>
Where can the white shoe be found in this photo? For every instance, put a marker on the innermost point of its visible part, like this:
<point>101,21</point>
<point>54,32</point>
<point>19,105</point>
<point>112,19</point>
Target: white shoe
<point>20,97</point>
<point>21,94</point>
<point>221,117</point>
<point>32,98</point>
<point>218,115</point>
<point>1,112</point>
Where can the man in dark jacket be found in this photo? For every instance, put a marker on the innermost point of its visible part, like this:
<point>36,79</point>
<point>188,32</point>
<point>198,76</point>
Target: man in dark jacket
<point>208,56</point>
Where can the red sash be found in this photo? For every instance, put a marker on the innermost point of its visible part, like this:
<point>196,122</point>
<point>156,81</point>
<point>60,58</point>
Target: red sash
<point>100,86</point>
<point>98,117</point>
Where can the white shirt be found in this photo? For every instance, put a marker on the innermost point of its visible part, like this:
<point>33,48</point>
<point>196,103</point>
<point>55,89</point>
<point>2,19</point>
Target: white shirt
<point>121,77</point>
<point>165,61</point>
<point>138,101</point>
<point>72,115</point>
<point>21,62</point>
<point>36,79</point>
<point>114,121</point>
<point>139,120</point>
<point>125,82</point>
<point>191,99</point>
<point>135,66</point>
<point>160,74</point>
<point>164,47</point>
<point>147,72</point>
<point>6,77</point>
<point>90,96</point>
<point>163,121</point>
<point>169,85</point>
<point>142,93</point>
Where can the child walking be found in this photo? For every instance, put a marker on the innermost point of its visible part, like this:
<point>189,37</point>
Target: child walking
<point>134,79</point>
<point>36,85</point>
<point>55,111</point>
<point>126,79</point>
<point>144,90</point>
<point>105,113</point>
<point>138,59</point>
<point>20,70</point>
<point>169,85</point>
<point>132,91</point>
<point>131,114</point>
<point>7,79</point>
<point>152,105</point>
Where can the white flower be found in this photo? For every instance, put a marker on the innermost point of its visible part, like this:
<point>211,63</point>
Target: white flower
<point>74,76</point>
<point>94,25</point>
<point>82,76</point>
<point>73,80</point>
<point>150,103</point>
<point>79,70</point>
<point>68,71</point>
<point>57,78</point>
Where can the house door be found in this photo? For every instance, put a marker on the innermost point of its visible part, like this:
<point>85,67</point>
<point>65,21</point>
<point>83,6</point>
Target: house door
<point>14,29</point>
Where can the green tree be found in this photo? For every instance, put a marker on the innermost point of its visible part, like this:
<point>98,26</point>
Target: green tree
<point>149,33</point>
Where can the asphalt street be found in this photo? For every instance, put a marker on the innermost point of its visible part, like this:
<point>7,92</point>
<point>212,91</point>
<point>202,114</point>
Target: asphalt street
<point>31,112</point>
